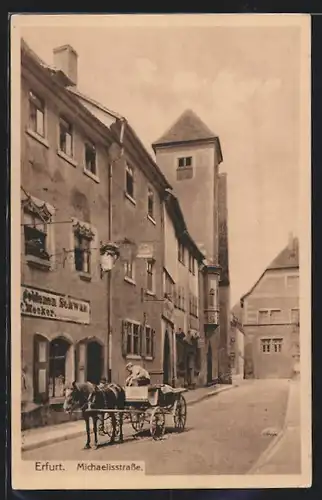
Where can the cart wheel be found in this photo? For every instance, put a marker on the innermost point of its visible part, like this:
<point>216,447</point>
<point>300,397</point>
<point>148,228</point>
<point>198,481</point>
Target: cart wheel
<point>157,423</point>
<point>179,413</point>
<point>137,421</point>
<point>106,425</point>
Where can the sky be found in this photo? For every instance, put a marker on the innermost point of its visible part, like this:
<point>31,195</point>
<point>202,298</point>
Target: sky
<point>243,82</point>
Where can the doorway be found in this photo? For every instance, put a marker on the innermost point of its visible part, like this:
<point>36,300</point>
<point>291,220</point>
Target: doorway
<point>166,359</point>
<point>94,362</point>
<point>209,365</point>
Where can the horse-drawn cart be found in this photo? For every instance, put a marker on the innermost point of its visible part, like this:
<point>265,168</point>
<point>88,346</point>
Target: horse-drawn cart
<point>148,405</point>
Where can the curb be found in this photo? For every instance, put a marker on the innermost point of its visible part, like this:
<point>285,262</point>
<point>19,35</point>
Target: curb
<point>269,451</point>
<point>76,434</point>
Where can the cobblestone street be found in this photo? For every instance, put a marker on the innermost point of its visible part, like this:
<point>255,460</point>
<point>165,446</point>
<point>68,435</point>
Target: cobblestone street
<point>225,434</point>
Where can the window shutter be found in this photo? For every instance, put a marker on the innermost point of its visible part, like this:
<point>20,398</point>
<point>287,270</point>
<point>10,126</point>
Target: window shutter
<point>153,343</point>
<point>41,369</point>
<point>125,326</point>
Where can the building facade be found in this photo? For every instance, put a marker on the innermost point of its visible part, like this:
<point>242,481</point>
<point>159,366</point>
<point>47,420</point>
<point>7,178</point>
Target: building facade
<point>64,206</point>
<point>182,315</point>
<point>189,154</point>
<point>237,343</point>
<point>271,318</point>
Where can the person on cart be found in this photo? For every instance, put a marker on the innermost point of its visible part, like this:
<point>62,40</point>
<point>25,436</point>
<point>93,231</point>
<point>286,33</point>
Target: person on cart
<point>138,376</point>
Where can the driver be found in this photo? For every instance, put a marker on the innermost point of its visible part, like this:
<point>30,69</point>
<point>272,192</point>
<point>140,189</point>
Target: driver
<point>138,375</point>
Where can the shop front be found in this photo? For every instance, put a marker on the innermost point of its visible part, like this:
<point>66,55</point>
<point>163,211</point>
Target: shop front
<point>188,358</point>
<point>57,345</point>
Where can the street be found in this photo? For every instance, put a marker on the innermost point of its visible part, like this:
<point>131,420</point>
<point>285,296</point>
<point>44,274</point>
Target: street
<point>225,434</point>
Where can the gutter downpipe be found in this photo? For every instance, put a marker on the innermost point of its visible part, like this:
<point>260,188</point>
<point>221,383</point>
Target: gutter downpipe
<point>109,275</point>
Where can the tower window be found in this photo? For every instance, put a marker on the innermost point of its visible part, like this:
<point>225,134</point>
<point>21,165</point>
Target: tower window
<point>185,161</point>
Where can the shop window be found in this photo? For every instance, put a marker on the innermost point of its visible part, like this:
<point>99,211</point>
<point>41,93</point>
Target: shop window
<point>58,350</point>
<point>36,114</point>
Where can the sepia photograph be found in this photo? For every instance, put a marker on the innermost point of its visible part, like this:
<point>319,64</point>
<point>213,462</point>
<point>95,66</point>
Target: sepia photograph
<point>160,201</point>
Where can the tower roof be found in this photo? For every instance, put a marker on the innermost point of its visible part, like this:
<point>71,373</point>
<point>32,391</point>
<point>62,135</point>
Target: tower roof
<point>188,127</point>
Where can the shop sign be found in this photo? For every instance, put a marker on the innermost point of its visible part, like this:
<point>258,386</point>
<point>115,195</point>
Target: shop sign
<point>51,305</point>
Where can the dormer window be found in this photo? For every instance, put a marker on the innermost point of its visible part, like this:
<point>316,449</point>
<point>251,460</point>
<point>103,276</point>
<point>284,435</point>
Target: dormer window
<point>185,161</point>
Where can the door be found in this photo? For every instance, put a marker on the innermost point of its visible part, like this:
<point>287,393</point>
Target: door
<point>209,365</point>
<point>94,362</point>
<point>166,359</point>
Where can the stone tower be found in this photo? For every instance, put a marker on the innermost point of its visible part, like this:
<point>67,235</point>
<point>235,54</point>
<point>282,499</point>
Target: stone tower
<point>189,154</point>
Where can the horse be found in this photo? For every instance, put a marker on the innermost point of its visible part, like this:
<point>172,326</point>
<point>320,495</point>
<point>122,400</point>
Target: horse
<point>88,396</point>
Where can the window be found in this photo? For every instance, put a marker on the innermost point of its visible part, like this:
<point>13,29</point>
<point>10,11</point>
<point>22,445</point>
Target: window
<point>58,350</point>
<point>148,341</point>
<point>263,317</point>
<point>292,282</point>
<point>191,264</point>
<point>181,298</point>
<point>185,162</point>
<point>83,237</point>
<point>151,203</point>
<point>181,254</point>
<point>277,344</point>
<point>133,339</point>
<point>271,345</point>
<point>266,345</point>
<point>129,180</point>
<point>90,158</point>
<point>150,280</point>
<point>295,316</point>
<point>36,114</point>
<point>168,287</point>
<point>193,305</point>
<point>35,234</point>
<point>65,137</point>
<point>129,269</point>
<point>275,316</point>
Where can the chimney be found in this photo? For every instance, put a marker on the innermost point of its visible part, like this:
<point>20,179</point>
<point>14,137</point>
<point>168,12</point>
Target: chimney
<point>65,59</point>
<point>290,241</point>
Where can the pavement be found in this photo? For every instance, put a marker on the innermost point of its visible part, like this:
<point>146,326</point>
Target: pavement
<point>51,434</point>
<point>283,455</point>
<point>223,435</point>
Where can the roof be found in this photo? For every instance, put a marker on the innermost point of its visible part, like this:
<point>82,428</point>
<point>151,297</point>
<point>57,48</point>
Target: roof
<point>188,127</point>
<point>288,258</point>
<point>179,223</point>
<point>62,83</point>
